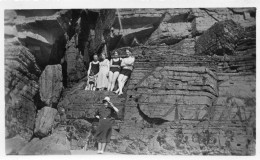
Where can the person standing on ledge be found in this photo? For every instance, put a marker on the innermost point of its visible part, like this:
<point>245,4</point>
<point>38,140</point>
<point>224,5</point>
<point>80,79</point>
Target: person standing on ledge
<point>102,80</point>
<point>114,71</point>
<point>127,65</point>
<point>106,115</point>
<point>94,69</point>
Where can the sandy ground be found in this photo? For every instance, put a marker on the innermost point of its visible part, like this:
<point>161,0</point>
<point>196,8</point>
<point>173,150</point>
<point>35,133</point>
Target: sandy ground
<point>90,152</point>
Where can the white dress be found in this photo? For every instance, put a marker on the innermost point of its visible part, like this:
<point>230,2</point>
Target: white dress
<point>102,79</point>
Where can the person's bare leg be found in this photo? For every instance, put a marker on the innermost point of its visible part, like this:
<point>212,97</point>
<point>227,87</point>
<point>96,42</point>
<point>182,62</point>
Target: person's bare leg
<point>87,86</point>
<point>119,80</point>
<point>103,147</point>
<point>124,79</point>
<point>110,77</point>
<point>99,147</point>
<point>91,87</point>
<point>115,76</point>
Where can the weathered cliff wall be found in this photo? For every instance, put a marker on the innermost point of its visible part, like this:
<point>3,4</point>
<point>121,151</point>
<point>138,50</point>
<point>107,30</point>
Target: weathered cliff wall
<point>33,40</point>
<point>192,90</point>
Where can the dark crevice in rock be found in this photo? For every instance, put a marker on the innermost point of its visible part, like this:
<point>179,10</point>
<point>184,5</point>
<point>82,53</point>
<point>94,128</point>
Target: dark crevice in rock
<point>152,121</point>
<point>64,74</point>
<point>57,51</point>
<point>74,17</point>
<point>38,102</point>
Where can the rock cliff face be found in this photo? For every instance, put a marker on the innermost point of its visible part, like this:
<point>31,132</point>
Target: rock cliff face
<point>192,90</point>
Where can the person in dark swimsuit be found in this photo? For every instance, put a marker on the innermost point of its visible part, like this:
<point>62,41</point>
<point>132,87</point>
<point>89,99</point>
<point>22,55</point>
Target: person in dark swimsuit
<point>106,115</point>
<point>114,71</point>
<point>94,69</point>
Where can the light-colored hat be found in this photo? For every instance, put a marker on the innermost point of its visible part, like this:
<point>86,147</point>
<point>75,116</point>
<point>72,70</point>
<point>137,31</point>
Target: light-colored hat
<point>106,99</point>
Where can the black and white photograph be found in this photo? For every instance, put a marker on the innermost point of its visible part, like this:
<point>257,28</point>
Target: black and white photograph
<point>130,81</point>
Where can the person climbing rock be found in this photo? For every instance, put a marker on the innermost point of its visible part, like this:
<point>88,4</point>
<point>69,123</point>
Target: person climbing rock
<point>102,79</point>
<point>94,69</point>
<point>127,65</point>
<point>106,115</point>
<point>114,71</point>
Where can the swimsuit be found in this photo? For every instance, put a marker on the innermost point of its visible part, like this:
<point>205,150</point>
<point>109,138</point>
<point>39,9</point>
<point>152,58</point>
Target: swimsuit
<point>115,69</point>
<point>95,67</point>
<point>126,72</point>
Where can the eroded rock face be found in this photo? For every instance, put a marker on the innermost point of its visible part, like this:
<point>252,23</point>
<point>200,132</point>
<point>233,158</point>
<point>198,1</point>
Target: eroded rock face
<point>206,17</point>
<point>55,144</point>
<point>221,38</point>
<point>76,69</point>
<point>80,133</point>
<point>174,93</point>
<point>33,39</point>
<point>51,84</point>
<point>43,34</point>
<point>227,126</point>
<point>171,30</point>
<point>21,76</point>
<point>79,103</point>
<point>44,121</point>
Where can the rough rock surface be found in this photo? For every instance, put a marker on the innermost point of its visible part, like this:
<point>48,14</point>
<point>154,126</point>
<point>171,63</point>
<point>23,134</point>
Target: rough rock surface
<point>75,69</point>
<point>33,39</point>
<point>206,17</point>
<point>51,84</point>
<point>21,77</point>
<point>221,38</point>
<point>179,100</point>
<point>171,30</point>
<point>44,121</point>
<point>55,144</point>
<point>43,34</point>
<point>13,145</point>
<point>80,133</point>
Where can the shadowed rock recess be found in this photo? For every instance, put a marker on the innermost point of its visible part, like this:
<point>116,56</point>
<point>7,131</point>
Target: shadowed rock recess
<point>192,90</point>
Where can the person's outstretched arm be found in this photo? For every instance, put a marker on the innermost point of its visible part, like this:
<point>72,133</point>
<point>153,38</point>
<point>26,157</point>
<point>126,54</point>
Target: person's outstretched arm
<point>97,114</point>
<point>112,105</point>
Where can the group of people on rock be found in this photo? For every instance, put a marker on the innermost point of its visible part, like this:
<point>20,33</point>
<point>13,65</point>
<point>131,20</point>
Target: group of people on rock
<point>104,74</point>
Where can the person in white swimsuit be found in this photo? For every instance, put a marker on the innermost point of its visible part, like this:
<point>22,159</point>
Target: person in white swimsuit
<point>127,65</point>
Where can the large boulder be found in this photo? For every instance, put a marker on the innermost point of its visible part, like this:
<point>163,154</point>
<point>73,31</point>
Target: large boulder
<point>51,84</point>
<point>220,39</point>
<point>55,144</point>
<point>44,121</point>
